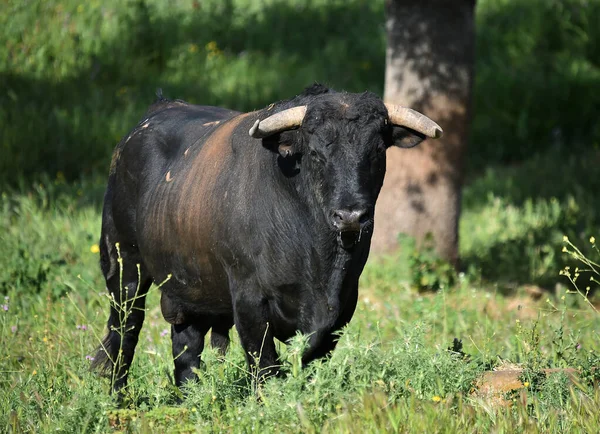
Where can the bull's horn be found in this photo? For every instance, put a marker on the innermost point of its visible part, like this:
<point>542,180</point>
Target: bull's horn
<point>278,122</point>
<point>405,117</point>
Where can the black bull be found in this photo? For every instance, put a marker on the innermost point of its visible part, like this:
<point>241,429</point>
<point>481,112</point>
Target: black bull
<point>269,232</point>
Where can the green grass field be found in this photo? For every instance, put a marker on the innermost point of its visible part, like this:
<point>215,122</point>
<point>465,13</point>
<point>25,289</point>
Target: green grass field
<point>391,372</point>
<point>75,76</point>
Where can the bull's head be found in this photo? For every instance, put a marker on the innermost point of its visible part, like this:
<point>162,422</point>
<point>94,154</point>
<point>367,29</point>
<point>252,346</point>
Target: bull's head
<point>340,142</point>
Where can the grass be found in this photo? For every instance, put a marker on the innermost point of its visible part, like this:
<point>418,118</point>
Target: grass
<point>392,371</point>
<point>71,84</point>
<point>74,77</point>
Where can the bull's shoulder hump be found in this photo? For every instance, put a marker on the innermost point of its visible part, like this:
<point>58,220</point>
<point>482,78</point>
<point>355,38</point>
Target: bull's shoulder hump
<point>191,113</point>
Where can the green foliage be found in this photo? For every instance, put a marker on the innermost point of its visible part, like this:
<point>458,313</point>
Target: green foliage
<point>43,249</point>
<point>398,358</point>
<point>76,76</point>
<point>537,78</point>
<point>514,218</point>
<point>428,271</point>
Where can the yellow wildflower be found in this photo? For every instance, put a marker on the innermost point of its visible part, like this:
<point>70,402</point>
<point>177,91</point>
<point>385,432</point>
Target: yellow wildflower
<point>94,248</point>
<point>436,398</point>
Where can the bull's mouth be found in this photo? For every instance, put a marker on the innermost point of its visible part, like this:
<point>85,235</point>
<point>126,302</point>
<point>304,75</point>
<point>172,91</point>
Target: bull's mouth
<point>348,239</point>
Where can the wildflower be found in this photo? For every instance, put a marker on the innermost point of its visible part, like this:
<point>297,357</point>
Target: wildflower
<point>94,248</point>
<point>164,333</point>
<point>5,307</point>
<point>34,372</point>
<point>89,358</point>
<point>81,327</point>
<point>13,329</point>
<point>436,398</point>
<point>565,239</point>
<point>526,384</point>
<point>578,347</point>
<point>592,240</point>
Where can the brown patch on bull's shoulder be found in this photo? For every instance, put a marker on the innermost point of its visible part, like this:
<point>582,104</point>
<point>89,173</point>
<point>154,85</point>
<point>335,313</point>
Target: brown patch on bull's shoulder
<point>215,142</point>
<point>168,177</point>
<point>208,124</point>
<point>196,195</point>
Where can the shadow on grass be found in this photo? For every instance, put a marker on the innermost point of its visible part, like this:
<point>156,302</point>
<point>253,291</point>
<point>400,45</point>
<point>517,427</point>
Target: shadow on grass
<point>515,217</point>
<point>214,54</point>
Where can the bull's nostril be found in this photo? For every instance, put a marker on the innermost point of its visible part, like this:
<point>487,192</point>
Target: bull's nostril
<point>349,220</point>
<point>363,216</point>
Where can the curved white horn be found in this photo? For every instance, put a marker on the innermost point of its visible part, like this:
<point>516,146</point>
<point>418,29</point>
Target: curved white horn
<point>278,122</point>
<point>406,117</point>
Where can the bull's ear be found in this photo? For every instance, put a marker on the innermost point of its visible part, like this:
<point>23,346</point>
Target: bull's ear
<point>405,137</point>
<point>285,150</point>
<point>281,143</point>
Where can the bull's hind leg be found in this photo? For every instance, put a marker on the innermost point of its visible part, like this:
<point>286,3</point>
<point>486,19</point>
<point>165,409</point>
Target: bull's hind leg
<point>188,337</point>
<point>188,343</point>
<point>219,334</point>
<point>127,282</point>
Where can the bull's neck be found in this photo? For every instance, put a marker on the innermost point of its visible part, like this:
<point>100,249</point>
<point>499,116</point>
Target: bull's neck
<point>334,259</point>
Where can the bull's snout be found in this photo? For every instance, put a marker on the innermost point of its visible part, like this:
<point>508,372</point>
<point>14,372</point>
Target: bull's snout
<point>349,220</point>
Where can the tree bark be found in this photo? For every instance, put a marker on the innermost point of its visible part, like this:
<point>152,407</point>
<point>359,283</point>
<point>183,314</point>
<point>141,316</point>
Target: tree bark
<point>429,67</point>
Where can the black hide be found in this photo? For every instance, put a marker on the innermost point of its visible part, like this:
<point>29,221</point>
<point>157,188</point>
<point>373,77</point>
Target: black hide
<point>268,234</point>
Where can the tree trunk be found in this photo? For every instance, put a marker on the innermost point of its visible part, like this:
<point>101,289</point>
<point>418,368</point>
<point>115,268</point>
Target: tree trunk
<point>429,67</point>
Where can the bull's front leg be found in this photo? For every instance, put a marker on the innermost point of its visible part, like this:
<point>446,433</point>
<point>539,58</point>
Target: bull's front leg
<point>323,342</point>
<point>256,334</point>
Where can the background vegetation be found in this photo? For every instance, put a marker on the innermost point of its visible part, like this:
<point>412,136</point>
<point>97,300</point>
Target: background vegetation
<point>75,76</point>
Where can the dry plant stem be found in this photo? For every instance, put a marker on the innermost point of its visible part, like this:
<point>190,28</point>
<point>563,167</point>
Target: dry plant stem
<point>125,308</point>
<point>592,266</point>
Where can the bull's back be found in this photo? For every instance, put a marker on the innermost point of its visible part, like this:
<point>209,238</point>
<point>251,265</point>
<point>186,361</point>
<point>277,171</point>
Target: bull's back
<point>179,203</point>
